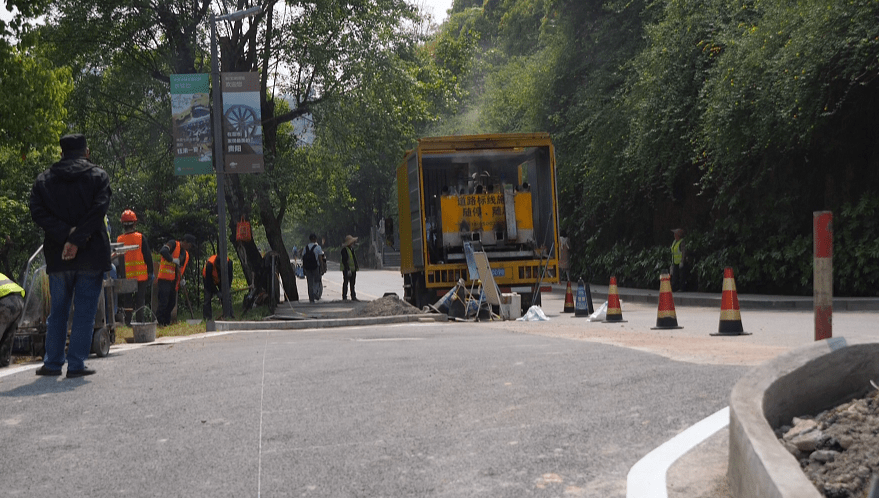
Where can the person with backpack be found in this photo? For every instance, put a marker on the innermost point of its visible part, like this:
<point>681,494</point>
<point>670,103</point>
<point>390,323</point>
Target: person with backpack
<point>311,264</point>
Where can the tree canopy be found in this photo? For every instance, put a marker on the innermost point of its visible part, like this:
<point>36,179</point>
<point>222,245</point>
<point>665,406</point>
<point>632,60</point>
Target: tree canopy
<point>734,120</point>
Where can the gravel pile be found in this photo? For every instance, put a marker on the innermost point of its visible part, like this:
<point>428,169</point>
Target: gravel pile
<point>386,306</point>
<point>839,448</point>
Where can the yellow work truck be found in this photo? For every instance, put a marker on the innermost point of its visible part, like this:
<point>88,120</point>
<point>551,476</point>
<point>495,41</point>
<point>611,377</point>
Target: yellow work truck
<point>497,192</point>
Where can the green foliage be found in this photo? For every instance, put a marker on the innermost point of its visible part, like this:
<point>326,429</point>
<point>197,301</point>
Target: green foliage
<point>734,120</point>
<point>32,96</point>
<point>632,267</point>
<point>17,174</point>
<point>856,247</point>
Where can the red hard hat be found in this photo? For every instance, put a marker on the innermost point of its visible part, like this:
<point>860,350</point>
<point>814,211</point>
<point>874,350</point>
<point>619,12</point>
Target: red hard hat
<point>128,216</point>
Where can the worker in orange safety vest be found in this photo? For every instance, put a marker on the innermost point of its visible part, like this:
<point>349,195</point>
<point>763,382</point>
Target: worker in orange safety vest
<point>138,266</point>
<point>175,257</point>
<point>211,279</point>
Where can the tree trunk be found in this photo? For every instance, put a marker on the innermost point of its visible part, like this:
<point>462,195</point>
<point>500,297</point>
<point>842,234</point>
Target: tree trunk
<point>276,241</point>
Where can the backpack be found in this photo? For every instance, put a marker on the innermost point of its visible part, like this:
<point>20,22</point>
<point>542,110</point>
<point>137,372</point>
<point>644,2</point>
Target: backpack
<point>309,259</point>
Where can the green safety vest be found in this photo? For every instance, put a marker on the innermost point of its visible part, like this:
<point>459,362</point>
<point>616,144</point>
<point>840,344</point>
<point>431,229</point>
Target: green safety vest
<point>676,254</point>
<point>7,287</point>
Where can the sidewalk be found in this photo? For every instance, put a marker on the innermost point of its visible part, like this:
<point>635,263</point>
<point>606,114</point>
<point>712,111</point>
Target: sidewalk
<point>337,313</point>
<point>746,301</point>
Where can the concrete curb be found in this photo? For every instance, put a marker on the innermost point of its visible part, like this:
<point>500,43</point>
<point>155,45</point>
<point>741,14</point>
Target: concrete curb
<point>319,323</point>
<point>746,301</point>
<point>804,381</point>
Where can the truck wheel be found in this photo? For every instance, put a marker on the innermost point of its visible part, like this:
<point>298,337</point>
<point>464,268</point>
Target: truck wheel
<point>101,342</point>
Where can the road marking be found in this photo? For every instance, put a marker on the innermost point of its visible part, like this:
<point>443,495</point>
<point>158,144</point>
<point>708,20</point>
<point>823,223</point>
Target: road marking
<point>383,339</point>
<point>646,478</point>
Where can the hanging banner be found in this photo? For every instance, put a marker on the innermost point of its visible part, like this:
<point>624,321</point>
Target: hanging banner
<point>242,123</point>
<point>191,124</point>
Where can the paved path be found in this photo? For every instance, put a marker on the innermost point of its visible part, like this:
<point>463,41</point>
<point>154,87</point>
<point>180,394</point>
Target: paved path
<point>446,410</point>
<point>385,410</point>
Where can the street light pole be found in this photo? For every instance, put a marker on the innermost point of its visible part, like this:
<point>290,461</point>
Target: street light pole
<point>219,161</point>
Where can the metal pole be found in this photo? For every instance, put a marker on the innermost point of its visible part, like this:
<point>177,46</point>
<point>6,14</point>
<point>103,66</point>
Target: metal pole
<point>225,297</point>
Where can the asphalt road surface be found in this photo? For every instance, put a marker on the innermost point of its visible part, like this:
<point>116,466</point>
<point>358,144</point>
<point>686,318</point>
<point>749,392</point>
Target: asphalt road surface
<point>559,408</point>
<point>416,410</point>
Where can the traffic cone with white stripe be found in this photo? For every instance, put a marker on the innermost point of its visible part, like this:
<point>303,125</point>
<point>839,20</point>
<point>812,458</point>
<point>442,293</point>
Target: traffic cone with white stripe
<point>614,311</point>
<point>665,316</point>
<point>730,318</point>
<point>569,300</point>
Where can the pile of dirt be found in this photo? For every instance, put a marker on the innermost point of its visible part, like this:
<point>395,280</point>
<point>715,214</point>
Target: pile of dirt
<point>839,448</point>
<point>386,306</point>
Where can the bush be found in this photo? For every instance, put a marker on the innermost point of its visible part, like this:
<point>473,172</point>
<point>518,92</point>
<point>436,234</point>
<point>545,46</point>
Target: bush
<point>778,263</point>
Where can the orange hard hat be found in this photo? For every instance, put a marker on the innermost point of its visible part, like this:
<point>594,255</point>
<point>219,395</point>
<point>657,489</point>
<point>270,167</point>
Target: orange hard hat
<point>128,216</point>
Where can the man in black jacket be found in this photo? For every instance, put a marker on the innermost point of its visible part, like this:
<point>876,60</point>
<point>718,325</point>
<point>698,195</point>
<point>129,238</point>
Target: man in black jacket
<point>69,202</point>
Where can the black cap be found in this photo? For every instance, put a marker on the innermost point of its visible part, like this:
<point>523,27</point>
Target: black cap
<point>73,144</point>
<point>189,238</point>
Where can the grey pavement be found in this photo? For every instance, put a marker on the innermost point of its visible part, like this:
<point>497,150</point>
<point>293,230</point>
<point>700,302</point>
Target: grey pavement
<point>746,301</point>
<point>332,307</point>
<point>363,409</point>
<point>441,410</point>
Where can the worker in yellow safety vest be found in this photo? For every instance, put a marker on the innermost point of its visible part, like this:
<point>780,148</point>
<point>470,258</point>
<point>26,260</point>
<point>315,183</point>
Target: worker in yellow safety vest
<point>678,269</point>
<point>172,265</point>
<point>11,306</point>
<point>138,266</point>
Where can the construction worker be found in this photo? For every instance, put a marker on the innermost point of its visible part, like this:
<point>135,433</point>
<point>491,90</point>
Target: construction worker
<point>175,257</point>
<point>11,306</point>
<point>678,269</point>
<point>138,264</point>
<point>211,279</point>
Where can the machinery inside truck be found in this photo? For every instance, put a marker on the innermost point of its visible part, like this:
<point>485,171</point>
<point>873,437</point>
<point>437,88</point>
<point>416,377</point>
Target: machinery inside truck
<point>497,190</point>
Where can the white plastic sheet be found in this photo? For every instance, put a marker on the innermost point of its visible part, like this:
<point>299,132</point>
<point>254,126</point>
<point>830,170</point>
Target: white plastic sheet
<point>534,314</point>
<point>600,314</point>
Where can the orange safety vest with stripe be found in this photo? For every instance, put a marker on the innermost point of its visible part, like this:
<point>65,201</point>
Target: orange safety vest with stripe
<point>167,270</point>
<point>182,267</point>
<point>214,273</point>
<point>135,266</point>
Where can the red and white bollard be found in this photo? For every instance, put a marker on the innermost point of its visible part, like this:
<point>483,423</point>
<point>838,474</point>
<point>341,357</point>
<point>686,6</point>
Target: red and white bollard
<point>823,276</point>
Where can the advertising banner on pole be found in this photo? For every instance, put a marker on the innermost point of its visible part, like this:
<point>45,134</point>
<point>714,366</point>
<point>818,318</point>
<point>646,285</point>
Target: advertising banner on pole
<point>191,124</point>
<point>242,123</point>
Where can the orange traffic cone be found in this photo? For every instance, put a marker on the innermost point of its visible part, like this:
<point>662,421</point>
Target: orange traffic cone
<point>665,316</point>
<point>614,311</point>
<point>569,300</point>
<point>730,318</point>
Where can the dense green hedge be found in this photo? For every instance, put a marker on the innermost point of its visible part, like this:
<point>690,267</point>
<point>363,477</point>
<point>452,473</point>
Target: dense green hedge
<point>777,263</point>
